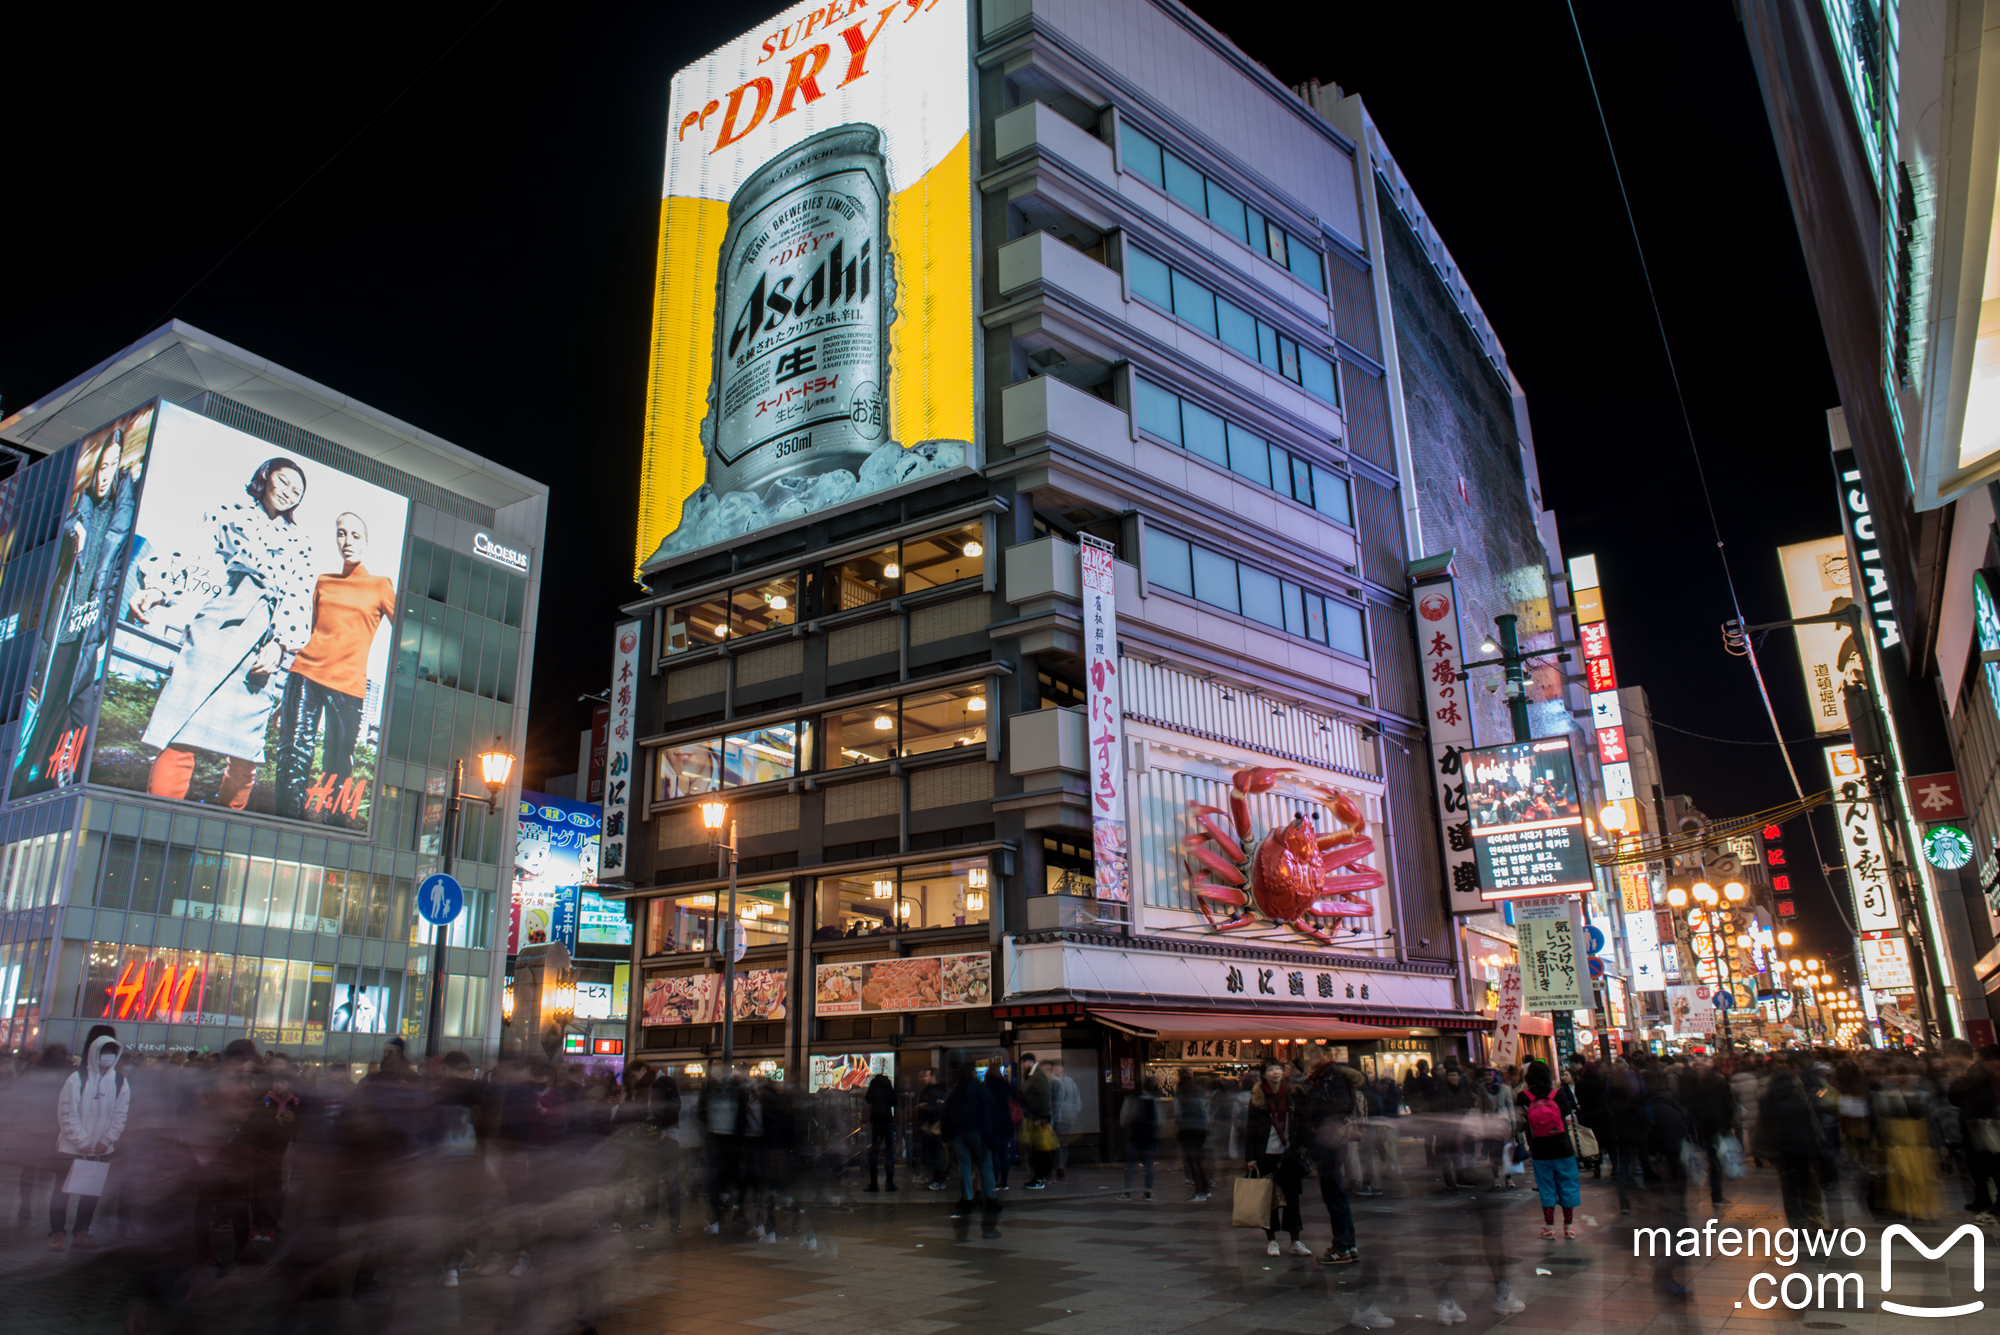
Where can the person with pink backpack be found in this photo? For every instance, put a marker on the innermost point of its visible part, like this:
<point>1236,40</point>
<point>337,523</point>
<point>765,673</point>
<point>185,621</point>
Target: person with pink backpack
<point>1550,1109</point>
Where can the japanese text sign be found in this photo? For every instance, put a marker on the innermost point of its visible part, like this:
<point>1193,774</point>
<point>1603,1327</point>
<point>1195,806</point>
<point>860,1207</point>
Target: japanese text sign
<point>618,768</point>
<point>1861,840</point>
<point>1936,797</point>
<point>1552,967</point>
<point>1449,718</point>
<point>1107,722</point>
<point>1507,1023</point>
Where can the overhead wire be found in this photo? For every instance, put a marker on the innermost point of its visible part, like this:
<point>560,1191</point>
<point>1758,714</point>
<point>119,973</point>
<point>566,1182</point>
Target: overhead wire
<point>1680,397</point>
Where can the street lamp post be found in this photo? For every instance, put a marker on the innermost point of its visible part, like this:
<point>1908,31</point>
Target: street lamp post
<point>712,816</point>
<point>1513,664</point>
<point>494,768</point>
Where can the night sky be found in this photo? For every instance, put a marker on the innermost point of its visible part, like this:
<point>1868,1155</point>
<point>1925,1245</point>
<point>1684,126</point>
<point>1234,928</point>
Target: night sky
<point>477,260</point>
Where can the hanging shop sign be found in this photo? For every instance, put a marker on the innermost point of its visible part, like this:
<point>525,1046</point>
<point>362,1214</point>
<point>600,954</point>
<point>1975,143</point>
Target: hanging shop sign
<point>1111,859</point>
<point>1552,967</point>
<point>1818,580</point>
<point>1885,962</point>
<point>1947,847</point>
<point>618,795</point>
<point>1449,720</point>
<point>1507,1022</point>
<point>1861,840</point>
<point>1936,796</point>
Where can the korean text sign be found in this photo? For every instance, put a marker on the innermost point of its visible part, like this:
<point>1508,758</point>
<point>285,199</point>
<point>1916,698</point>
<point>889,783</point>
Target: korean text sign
<point>1527,820</point>
<point>812,315</point>
<point>1106,720</point>
<point>1552,960</point>
<point>1449,719</point>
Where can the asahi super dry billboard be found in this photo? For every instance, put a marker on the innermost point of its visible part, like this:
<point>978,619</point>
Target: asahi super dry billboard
<point>812,320</point>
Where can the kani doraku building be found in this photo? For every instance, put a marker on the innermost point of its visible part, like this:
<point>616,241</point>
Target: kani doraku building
<point>1006,512</point>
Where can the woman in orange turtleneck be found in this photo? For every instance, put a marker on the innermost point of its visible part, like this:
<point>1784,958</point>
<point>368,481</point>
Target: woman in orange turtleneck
<point>329,679</point>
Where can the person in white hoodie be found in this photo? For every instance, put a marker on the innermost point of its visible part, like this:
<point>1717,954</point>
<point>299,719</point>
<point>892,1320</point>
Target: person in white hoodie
<point>90,1117</point>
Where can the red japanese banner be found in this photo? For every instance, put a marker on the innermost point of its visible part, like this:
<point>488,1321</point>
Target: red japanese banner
<point>1110,863</point>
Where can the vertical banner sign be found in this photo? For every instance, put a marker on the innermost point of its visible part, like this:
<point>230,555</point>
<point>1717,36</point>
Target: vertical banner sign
<point>1818,581</point>
<point>1507,1026</point>
<point>600,749</point>
<point>1551,963</point>
<point>618,775</point>
<point>1112,867</point>
<point>1435,597</point>
<point>1861,840</point>
<point>1607,718</point>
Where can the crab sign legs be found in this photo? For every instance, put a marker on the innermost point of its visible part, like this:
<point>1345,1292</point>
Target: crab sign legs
<point>1289,872</point>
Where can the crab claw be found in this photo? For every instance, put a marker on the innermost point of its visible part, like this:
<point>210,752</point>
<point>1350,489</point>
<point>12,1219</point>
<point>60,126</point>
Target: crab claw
<point>1306,929</point>
<point>1221,894</point>
<point>1259,779</point>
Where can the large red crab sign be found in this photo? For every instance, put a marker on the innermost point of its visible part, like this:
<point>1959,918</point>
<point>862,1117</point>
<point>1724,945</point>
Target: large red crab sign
<point>1290,872</point>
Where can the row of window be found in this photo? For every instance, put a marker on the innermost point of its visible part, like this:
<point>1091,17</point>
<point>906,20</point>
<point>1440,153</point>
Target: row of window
<point>1222,581</point>
<point>1163,413</point>
<point>872,902</point>
<point>172,865</point>
<point>914,725</point>
<point>1146,159</point>
<point>1195,305</point>
<point>913,564</point>
<point>457,650</point>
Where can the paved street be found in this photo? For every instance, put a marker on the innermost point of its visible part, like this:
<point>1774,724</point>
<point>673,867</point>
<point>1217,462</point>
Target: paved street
<point>1075,1260</point>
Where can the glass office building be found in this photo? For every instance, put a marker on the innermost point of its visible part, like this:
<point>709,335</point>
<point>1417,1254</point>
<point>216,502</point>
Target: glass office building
<point>264,891</point>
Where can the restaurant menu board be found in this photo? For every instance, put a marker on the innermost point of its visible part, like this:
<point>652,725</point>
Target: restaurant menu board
<point>848,1071</point>
<point>674,999</point>
<point>1527,824</point>
<point>919,983</point>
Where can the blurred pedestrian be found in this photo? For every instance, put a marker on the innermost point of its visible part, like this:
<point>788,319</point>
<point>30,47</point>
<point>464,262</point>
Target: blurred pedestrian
<point>1272,1140</point>
<point>881,1101</point>
<point>1191,1129</point>
<point>90,1117</point>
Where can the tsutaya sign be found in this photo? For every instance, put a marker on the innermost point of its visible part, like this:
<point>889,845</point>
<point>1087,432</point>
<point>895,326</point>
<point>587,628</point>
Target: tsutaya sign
<point>1111,867</point>
<point>1434,594</point>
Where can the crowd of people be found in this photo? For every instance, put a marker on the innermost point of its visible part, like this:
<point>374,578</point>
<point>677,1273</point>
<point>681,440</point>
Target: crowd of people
<point>207,1163</point>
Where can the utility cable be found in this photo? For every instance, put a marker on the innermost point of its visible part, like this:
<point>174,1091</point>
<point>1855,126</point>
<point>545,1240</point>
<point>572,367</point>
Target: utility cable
<point>1680,397</point>
<point>314,174</point>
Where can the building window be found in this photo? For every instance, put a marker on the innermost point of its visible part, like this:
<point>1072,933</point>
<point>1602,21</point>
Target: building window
<point>925,562</point>
<point>1228,324</point>
<point>761,755</point>
<point>1221,581</point>
<point>735,613</point>
<point>913,726</point>
<point>1067,868</point>
<point>1166,415</point>
<point>1144,158</point>
<point>882,900</point>
<point>681,924</point>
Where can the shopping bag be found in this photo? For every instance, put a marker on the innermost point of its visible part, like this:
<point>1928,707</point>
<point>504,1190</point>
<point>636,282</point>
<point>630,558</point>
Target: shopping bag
<point>1252,1205</point>
<point>86,1177</point>
<point>1586,1141</point>
<point>1729,1153</point>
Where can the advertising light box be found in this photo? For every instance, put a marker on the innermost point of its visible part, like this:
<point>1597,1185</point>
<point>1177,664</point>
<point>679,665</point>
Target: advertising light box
<point>555,852</point>
<point>1527,820</point>
<point>250,653</point>
<point>920,982</point>
<point>81,605</point>
<point>812,315</point>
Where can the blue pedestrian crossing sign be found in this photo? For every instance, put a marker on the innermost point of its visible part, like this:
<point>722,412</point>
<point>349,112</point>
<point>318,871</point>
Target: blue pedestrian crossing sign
<point>1723,1000</point>
<point>440,899</point>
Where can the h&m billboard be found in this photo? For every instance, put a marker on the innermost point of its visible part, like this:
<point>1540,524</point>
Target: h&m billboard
<point>813,311</point>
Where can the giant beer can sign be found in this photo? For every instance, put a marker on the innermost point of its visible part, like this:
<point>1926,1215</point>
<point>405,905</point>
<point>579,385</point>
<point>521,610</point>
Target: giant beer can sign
<point>813,337</point>
<point>801,354</point>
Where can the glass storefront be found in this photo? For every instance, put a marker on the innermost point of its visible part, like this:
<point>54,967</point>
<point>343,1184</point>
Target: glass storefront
<point>955,893</point>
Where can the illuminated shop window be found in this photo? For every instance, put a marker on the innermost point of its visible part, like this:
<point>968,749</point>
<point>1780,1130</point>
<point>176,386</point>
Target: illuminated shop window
<point>761,755</point>
<point>680,924</point>
<point>883,900</point>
